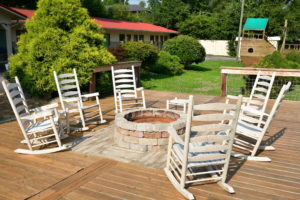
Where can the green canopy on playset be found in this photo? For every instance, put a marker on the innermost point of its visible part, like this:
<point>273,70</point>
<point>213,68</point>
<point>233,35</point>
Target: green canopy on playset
<point>256,24</point>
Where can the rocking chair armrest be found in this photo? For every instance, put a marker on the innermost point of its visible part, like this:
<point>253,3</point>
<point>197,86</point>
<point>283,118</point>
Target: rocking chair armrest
<point>72,99</point>
<point>245,99</point>
<point>175,136</point>
<point>253,111</point>
<point>118,90</point>
<point>140,89</point>
<point>45,107</point>
<point>41,114</point>
<point>96,94</point>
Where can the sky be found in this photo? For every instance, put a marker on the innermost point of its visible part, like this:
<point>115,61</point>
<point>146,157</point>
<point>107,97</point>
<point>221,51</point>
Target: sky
<point>135,1</point>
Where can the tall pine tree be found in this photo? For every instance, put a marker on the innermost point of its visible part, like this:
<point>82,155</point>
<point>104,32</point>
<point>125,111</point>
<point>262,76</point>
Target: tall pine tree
<point>59,37</point>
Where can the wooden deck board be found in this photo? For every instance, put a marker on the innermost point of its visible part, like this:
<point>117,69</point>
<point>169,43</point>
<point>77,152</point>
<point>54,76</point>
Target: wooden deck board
<point>70,175</point>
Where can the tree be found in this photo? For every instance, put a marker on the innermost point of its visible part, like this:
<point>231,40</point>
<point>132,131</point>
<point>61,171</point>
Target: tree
<point>142,4</point>
<point>168,13</point>
<point>120,11</point>
<point>220,19</point>
<point>28,4</point>
<point>111,2</point>
<point>198,6</point>
<point>293,17</point>
<point>95,8</point>
<point>204,27</point>
<point>58,38</point>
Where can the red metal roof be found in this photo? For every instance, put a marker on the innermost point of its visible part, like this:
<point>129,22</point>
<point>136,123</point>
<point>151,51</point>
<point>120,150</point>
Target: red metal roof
<point>12,10</point>
<point>26,12</point>
<point>115,24</point>
<point>126,25</point>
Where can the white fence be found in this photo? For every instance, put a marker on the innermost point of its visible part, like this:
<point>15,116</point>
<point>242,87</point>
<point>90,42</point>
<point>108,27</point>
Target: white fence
<point>215,47</point>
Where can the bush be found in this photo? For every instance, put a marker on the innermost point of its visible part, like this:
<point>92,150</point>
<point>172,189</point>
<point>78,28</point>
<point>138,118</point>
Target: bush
<point>277,61</point>
<point>167,64</point>
<point>104,83</point>
<point>147,53</point>
<point>119,52</point>
<point>188,49</point>
<point>58,38</point>
<point>231,49</point>
<point>293,56</point>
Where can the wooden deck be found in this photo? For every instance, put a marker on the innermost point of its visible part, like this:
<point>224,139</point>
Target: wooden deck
<point>71,175</point>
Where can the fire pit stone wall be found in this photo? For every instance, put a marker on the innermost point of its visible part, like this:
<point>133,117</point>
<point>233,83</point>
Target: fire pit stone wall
<point>147,130</point>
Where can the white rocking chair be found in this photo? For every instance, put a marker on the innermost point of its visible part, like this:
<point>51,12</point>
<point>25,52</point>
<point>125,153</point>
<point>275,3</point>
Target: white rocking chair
<point>260,94</point>
<point>124,84</point>
<point>40,126</point>
<point>71,101</point>
<point>251,128</point>
<point>206,154</point>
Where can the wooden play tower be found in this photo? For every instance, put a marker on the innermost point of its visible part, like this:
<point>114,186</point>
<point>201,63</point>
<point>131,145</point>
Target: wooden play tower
<point>254,43</point>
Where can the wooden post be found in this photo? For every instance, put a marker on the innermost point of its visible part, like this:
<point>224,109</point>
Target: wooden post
<point>92,87</point>
<point>9,49</point>
<point>284,36</point>
<point>223,84</point>
<point>137,72</point>
<point>238,53</point>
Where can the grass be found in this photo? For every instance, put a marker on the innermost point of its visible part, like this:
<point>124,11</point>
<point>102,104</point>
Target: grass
<point>203,78</point>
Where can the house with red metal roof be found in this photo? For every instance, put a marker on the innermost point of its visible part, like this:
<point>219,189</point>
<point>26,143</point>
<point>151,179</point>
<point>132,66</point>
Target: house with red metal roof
<point>116,31</point>
<point>9,26</point>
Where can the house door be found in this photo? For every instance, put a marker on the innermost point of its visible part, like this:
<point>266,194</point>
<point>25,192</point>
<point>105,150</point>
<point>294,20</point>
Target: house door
<point>3,51</point>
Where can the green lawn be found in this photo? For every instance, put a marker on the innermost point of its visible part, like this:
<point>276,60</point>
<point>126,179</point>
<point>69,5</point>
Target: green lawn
<point>202,78</point>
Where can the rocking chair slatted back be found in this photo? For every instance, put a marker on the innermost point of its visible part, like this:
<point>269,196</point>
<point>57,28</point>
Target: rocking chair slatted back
<point>124,81</point>
<point>124,85</point>
<point>261,92</point>
<point>18,103</point>
<point>67,86</point>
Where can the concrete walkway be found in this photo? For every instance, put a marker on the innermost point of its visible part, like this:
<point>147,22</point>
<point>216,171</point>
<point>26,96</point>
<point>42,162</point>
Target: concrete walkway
<point>212,57</point>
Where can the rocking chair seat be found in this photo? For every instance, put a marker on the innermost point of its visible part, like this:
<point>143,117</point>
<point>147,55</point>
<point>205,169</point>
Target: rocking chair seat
<point>40,126</point>
<point>178,148</point>
<point>128,95</point>
<point>248,130</point>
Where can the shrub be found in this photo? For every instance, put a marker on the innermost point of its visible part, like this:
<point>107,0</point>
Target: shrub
<point>119,52</point>
<point>58,38</point>
<point>188,49</point>
<point>147,53</point>
<point>293,56</point>
<point>274,60</point>
<point>231,48</point>
<point>104,83</point>
<point>167,64</point>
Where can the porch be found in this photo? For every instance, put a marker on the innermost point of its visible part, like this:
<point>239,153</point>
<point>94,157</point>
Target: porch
<point>74,175</point>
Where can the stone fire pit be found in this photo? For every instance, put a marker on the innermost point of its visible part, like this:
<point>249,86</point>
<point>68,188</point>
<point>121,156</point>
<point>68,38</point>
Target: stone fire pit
<point>146,130</point>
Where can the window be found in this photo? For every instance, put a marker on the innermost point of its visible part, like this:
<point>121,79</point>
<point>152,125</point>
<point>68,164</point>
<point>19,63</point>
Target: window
<point>121,38</point>
<point>166,38</point>
<point>151,38</point>
<point>161,38</point>
<point>128,38</point>
<point>141,37</point>
<point>107,40</point>
<point>135,38</point>
<point>250,50</point>
<point>156,38</point>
